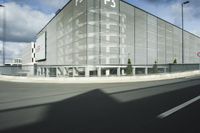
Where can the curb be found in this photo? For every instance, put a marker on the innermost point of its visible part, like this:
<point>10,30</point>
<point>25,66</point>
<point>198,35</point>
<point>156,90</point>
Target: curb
<point>81,80</point>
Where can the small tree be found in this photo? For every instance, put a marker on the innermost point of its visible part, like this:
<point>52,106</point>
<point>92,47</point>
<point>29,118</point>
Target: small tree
<point>175,61</point>
<point>129,69</point>
<point>155,67</point>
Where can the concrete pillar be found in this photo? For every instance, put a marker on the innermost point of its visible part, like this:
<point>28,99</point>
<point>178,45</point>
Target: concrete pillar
<point>67,71</point>
<point>73,72</point>
<point>146,70</point>
<point>41,71</point>
<point>57,72</point>
<point>99,71</point>
<point>64,72</point>
<point>118,71</point>
<point>60,71</point>
<point>87,72</point>
<point>123,72</point>
<point>45,72</point>
<point>133,71</point>
<point>165,70</point>
<point>48,72</point>
<point>38,71</point>
<point>107,72</point>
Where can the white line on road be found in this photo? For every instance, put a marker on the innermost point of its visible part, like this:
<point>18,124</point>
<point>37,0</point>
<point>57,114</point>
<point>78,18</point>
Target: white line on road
<point>175,109</point>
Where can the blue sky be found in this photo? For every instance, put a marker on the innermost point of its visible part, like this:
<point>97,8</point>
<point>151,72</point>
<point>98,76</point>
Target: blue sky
<point>24,18</point>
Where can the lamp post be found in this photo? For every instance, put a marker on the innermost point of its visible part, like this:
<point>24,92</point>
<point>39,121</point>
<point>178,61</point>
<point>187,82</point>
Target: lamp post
<point>186,2</point>
<point>3,50</point>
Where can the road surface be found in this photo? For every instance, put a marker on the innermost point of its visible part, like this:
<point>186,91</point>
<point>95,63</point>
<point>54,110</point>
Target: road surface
<point>171,106</point>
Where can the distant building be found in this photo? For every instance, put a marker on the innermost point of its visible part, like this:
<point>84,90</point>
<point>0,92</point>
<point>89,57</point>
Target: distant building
<point>15,62</point>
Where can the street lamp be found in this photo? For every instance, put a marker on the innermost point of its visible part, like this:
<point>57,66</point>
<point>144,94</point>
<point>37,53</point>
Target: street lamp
<point>4,24</point>
<point>186,2</point>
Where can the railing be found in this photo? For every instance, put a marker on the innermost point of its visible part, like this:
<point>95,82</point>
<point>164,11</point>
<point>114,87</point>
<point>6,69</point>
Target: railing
<point>17,70</point>
<point>93,71</point>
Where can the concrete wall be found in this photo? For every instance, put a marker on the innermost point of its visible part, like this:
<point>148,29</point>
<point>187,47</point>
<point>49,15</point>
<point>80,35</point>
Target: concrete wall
<point>183,68</point>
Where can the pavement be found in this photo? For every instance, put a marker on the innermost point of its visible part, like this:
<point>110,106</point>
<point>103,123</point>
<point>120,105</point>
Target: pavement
<point>96,108</point>
<point>111,79</point>
<point>17,94</point>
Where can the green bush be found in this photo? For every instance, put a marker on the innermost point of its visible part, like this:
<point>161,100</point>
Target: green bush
<point>155,67</point>
<point>129,69</point>
<point>175,61</point>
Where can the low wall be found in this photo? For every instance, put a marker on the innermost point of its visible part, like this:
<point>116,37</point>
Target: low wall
<point>17,70</point>
<point>183,67</point>
<point>10,70</point>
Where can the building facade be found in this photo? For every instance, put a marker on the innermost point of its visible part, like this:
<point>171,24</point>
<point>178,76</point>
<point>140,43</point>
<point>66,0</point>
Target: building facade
<point>28,54</point>
<point>28,59</point>
<point>108,33</point>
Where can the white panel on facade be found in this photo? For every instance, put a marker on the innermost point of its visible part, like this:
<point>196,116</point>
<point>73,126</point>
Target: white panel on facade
<point>140,37</point>
<point>41,47</point>
<point>169,43</point>
<point>127,23</point>
<point>186,47</point>
<point>152,39</point>
<point>177,44</point>
<point>161,42</point>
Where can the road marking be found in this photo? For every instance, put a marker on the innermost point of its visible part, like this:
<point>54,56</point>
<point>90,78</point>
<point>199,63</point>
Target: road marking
<point>175,109</point>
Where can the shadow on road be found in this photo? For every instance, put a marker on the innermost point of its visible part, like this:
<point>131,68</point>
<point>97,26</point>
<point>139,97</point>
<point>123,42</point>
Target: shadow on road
<point>97,112</point>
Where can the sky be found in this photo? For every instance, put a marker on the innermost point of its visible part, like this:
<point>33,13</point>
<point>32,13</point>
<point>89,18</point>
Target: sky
<point>25,18</point>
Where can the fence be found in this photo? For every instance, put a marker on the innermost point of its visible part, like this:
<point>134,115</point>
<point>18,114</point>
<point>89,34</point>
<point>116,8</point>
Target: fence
<point>27,70</point>
<point>92,71</point>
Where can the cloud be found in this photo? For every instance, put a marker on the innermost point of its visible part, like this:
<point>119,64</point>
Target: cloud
<point>193,5</point>
<point>170,10</point>
<point>22,22</point>
<point>55,3</point>
<point>191,16</point>
<point>160,1</point>
<point>12,50</point>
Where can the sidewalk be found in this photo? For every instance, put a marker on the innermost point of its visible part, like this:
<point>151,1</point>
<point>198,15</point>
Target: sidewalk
<point>123,79</point>
<point>25,92</point>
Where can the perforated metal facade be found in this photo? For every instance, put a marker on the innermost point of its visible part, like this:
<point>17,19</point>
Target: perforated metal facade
<point>108,32</point>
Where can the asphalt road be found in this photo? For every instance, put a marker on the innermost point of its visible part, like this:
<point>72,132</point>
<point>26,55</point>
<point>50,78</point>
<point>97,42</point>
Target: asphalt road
<point>100,108</point>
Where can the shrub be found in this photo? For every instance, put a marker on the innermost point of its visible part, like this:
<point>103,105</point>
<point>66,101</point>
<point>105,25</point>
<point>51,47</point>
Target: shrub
<point>175,61</point>
<point>155,67</point>
<point>129,69</point>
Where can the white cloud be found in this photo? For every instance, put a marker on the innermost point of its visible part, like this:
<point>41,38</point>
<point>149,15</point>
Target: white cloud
<point>55,3</point>
<point>22,22</point>
<point>191,21</point>
<point>13,50</point>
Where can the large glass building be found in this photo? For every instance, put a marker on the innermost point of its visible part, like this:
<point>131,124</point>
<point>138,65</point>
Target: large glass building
<point>97,33</point>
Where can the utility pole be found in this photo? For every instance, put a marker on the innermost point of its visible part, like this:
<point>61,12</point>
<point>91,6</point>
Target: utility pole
<point>186,2</point>
<point>4,32</point>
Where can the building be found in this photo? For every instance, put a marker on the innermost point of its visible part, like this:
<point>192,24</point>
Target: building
<point>15,62</point>
<point>28,54</point>
<point>28,59</point>
<point>89,37</point>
